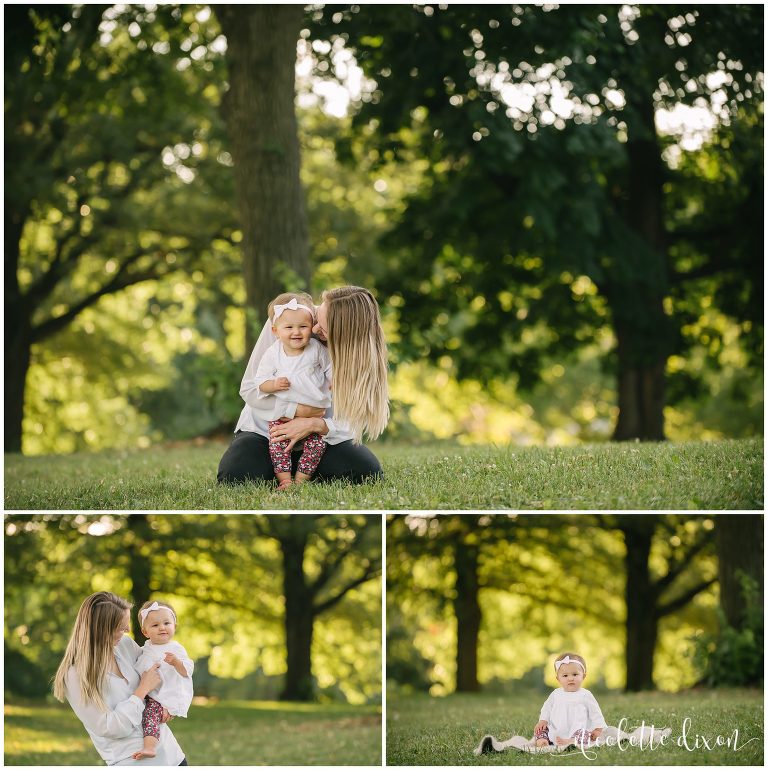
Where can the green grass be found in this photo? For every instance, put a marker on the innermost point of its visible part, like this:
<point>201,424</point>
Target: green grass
<point>444,731</point>
<point>719,475</point>
<point>227,733</point>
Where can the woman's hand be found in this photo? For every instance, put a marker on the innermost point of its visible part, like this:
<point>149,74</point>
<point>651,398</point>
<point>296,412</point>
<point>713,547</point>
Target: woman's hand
<point>540,725</point>
<point>149,680</point>
<point>297,429</point>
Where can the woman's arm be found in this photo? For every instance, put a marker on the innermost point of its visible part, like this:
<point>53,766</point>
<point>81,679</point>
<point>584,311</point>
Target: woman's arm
<point>118,722</point>
<point>302,410</point>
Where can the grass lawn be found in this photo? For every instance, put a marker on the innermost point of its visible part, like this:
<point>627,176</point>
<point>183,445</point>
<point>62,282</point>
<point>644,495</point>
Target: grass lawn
<point>226,733</point>
<point>444,731</point>
<point>718,475</point>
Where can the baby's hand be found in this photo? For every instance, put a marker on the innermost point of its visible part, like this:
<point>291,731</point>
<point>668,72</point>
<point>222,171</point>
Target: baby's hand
<point>171,658</point>
<point>282,383</point>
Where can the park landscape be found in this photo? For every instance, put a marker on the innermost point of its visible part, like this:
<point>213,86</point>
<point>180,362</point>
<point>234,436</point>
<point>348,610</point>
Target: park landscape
<point>566,247</point>
<point>282,615</point>
<point>667,610</point>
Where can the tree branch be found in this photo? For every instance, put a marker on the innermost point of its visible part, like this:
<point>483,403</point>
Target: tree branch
<point>121,280</point>
<point>332,565</point>
<point>678,565</point>
<point>681,601</point>
<point>370,572</point>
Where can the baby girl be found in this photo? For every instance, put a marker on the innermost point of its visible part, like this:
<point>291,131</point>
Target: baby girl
<point>570,714</point>
<point>158,624</point>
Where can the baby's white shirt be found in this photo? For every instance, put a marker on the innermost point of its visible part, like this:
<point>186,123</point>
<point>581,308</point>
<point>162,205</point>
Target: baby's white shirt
<point>309,373</point>
<point>175,691</point>
<point>567,712</point>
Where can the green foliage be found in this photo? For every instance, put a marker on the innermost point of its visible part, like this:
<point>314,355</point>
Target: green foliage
<point>23,677</point>
<point>531,567</point>
<point>223,573</point>
<point>119,171</point>
<point>443,731</point>
<point>524,239</point>
<point>734,657</point>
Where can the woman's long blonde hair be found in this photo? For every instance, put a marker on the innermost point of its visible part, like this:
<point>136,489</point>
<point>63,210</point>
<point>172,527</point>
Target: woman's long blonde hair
<point>90,648</point>
<point>359,360</point>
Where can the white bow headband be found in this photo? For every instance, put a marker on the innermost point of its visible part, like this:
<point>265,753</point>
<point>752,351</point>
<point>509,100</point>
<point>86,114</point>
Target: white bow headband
<point>568,659</point>
<point>152,607</point>
<point>292,305</point>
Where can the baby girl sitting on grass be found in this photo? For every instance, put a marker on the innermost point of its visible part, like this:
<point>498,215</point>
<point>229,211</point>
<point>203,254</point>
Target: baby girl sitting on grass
<point>570,714</point>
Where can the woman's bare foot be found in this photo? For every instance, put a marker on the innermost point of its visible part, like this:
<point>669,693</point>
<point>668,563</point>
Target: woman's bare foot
<point>563,741</point>
<point>542,742</point>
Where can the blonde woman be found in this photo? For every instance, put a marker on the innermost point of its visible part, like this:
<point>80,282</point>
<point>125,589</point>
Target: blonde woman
<point>348,321</point>
<point>98,678</point>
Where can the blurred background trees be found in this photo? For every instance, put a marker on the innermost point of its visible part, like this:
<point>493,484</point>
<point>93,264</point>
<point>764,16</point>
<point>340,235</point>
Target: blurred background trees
<point>560,211</point>
<point>638,595</point>
<point>269,606</point>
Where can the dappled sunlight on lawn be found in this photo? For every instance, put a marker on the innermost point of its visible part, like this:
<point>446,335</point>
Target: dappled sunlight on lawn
<point>216,733</point>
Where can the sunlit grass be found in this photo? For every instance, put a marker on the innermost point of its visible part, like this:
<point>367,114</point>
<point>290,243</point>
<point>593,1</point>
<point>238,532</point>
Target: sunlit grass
<point>696,475</point>
<point>227,733</point>
<point>444,731</point>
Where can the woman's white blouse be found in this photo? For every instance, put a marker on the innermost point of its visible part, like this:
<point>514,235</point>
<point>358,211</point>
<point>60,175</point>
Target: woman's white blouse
<point>116,733</point>
<point>567,712</point>
<point>175,691</point>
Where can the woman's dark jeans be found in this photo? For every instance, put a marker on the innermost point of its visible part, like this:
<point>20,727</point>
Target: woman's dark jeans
<point>247,459</point>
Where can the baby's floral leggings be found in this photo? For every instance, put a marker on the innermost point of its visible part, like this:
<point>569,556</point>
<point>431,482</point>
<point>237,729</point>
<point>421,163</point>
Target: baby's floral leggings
<point>580,736</point>
<point>152,717</point>
<point>314,448</point>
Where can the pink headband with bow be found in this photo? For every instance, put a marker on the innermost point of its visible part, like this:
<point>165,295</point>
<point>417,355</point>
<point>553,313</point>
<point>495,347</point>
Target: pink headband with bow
<point>292,305</point>
<point>568,659</point>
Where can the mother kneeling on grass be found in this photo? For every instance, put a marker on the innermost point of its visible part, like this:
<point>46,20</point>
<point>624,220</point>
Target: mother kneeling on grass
<point>98,678</point>
<point>348,321</point>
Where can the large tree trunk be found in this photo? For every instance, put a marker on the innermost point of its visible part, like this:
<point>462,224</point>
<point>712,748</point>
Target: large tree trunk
<point>139,567</point>
<point>640,324</point>
<point>640,596</point>
<point>468,616</point>
<point>18,331</point>
<point>261,121</point>
<point>18,353</point>
<point>739,540</point>
<point>299,619</point>
<point>640,392</point>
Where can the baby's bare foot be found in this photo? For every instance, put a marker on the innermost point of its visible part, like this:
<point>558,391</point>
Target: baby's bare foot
<point>144,753</point>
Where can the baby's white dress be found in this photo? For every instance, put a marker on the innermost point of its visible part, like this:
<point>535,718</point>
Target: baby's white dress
<point>175,691</point>
<point>567,712</point>
<point>309,374</point>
